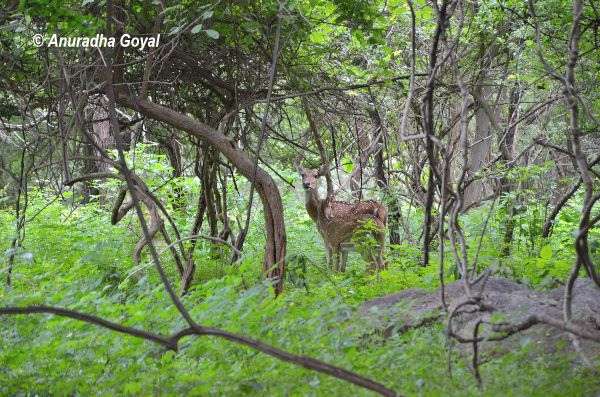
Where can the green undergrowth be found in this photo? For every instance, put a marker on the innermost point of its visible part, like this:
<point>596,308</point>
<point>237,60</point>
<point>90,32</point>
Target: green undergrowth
<point>74,258</point>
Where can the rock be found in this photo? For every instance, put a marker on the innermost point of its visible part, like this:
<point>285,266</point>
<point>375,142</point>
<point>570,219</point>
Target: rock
<point>512,303</point>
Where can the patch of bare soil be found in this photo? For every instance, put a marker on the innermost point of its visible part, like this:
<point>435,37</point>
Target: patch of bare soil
<point>512,303</point>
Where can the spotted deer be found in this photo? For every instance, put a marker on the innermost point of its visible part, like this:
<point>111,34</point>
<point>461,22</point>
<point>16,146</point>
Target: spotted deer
<point>337,221</point>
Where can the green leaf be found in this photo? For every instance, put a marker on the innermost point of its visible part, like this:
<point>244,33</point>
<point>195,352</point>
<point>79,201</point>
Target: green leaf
<point>213,34</point>
<point>318,37</point>
<point>175,30</point>
<point>132,388</point>
<point>196,29</point>
<point>27,257</point>
<point>167,357</point>
<point>546,252</point>
<point>347,164</point>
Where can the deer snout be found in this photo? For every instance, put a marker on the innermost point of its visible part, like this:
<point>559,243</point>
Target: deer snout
<point>306,185</point>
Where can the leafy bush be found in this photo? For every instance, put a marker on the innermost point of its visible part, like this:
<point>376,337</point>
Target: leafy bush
<point>80,262</point>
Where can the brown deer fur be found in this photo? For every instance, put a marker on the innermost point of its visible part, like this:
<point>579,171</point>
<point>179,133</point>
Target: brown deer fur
<point>337,220</point>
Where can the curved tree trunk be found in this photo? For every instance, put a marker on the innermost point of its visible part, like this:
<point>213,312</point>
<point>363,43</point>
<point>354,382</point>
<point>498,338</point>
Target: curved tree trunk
<point>275,246</point>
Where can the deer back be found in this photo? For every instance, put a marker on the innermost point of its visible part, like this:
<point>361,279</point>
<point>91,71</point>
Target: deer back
<point>355,212</point>
<point>339,219</point>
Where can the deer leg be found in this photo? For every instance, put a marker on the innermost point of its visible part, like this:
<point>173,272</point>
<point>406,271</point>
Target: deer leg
<point>344,259</point>
<point>379,258</point>
<point>380,261</point>
<point>329,256</point>
<point>374,255</point>
<point>370,258</point>
<point>336,259</point>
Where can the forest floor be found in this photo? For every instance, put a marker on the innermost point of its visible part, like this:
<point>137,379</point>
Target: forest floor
<point>74,258</point>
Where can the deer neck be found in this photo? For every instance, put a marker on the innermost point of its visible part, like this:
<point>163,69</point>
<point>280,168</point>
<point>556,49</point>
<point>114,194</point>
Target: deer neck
<point>312,202</point>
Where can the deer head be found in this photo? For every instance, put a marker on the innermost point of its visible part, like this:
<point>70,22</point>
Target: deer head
<point>310,182</point>
<point>310,177</point>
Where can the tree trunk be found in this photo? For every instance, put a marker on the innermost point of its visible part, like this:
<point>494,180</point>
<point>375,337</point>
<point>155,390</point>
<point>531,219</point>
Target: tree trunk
<point>275,245</point>
<point>507,141</point>
<point>482,144</point>
<point>382,181</point>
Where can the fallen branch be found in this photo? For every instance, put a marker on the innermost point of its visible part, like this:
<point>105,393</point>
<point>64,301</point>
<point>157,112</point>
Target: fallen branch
<point>171,342</point>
